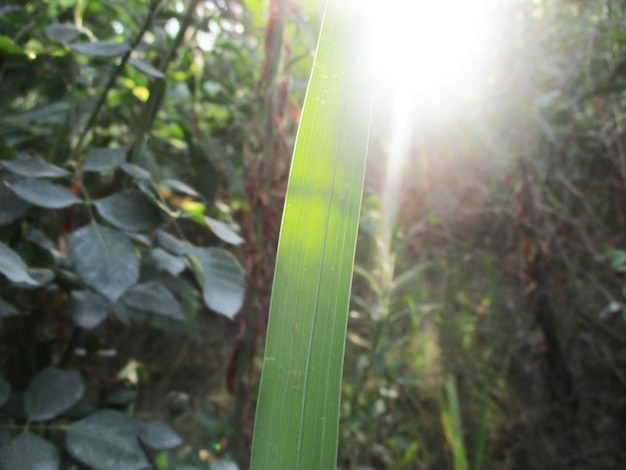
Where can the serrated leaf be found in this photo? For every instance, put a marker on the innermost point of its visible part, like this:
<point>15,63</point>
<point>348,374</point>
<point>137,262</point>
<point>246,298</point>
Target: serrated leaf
<point>129,210</point>
<point>146,68</point>
<point>6,309</point>
<point>51,392</point>
<point>33,167</point>
<point>44,194</point>
<point>221,277</point>
<point>12,266</point>
<point>88,309</point>
<point>26,451</point>
<point>104,259</point>
<point>167,262</point>
<point>102,48</point>
<point>224,231</point>
<point>159,435</point>
<point>5,391</point>
<point>153,297</point>
<point>106,440</point>
<point>104,159</point>
<point>63,33</point>
<point>11,206</point>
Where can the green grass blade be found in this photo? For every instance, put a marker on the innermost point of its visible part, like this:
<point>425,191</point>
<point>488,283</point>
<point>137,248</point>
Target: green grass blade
<point>298,409</point>
<point>453,425</point>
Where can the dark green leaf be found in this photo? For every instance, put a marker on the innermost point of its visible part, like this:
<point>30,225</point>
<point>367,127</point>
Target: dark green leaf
<point>88,309</point>
<point>102,48</point>
<point>5,390</point>
<point>146,68</point>
<point>159,435</point>
<point>136,171</point>
<point>63,33</point>
<point>104,159</point>
<point>221,277</point>
<point>106,440</point>
<point>105,260</point>
<point>129,210</point>
<point>46,248</point>
<point>224,231</point>
<point>33,167</point>
<point>180,187</point>
<point>171,243</point>
<point>6,309</point>
<point>51,392</point>
<point>170,263</point>
<point>153,297</point>
<point>27,451</point>
<point>44,194</point>
<point>54,110</point>
<point>11,206</point>
<point>12,266</point>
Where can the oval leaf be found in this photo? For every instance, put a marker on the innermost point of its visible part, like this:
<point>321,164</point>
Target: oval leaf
<point>33,167</point>
<point>104,159</point>
<point>44,194</point>
<point>106,440</point>
<point>159,435</point>
<point>136,172</point>
<point>63,33</point>
<point>51,392</point>
<point>28,451</point>
<point>5,390</point>
<point>12,266</point>
<point>170,263</point>
<point>11,206</point>
<point>129,210</point>
<point>223,231</point>
<point>146,68</point>
<point>180,187</point>
<point>88,309</point>
<point>153,297</point>
<point>49,111</point>
<point>171,243</point>
<point>102,48</point>
<point>221,277</point>
<point>105,259</point>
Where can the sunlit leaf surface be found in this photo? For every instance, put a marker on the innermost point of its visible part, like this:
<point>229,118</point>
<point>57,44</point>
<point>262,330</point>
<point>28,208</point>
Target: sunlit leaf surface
<point>298,410</point>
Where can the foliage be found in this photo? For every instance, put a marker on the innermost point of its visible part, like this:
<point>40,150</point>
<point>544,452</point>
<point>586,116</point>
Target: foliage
<point>144,153</point>
<point>104,185</point>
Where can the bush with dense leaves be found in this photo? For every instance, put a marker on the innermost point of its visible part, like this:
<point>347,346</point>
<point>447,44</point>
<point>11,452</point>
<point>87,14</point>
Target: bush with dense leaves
<point>106,172</point>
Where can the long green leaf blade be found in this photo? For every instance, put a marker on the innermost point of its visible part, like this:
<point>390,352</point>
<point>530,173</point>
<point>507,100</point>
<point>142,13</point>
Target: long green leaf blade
<point>298,410</point>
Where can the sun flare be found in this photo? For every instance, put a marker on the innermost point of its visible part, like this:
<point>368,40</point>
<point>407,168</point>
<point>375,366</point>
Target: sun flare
<point>426,48</point>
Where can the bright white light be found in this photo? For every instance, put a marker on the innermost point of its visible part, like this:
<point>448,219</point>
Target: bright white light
<point>425,48</point>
